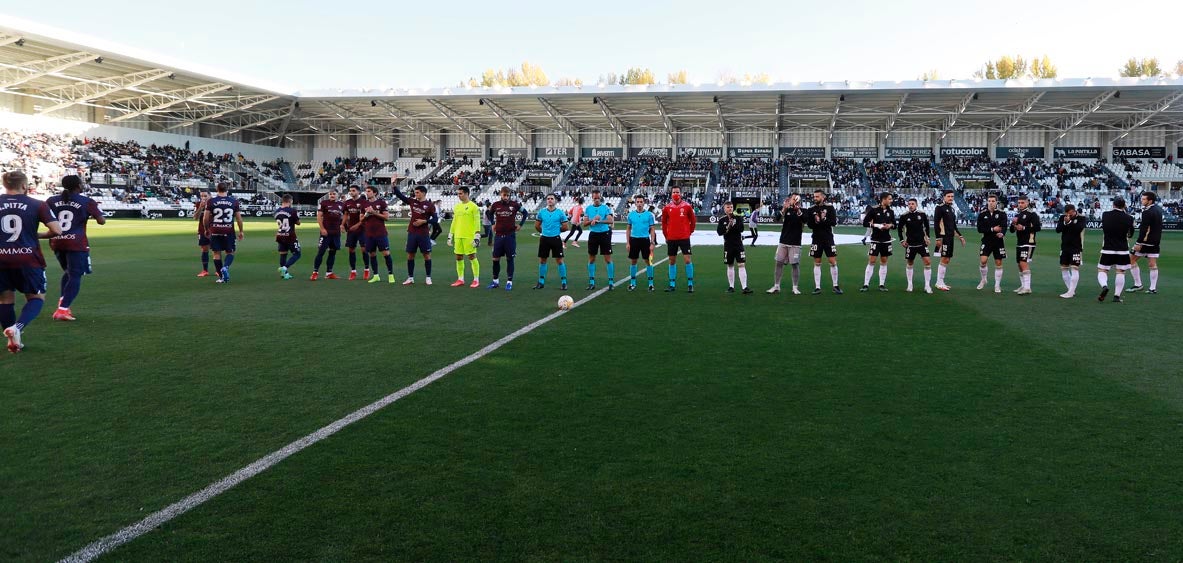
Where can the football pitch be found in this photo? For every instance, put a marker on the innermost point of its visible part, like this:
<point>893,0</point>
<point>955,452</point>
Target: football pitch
<point>901,426</point>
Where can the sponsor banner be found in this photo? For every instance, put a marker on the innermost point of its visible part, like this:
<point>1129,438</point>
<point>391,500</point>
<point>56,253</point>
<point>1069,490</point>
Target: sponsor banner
<point>644,152</point>
<point>1076,152</point>
<point>809,176</point>
<point>424,152</point>
<point>539,174</point>
<point>511,152</point>
<point>1139,152</point>
<point>908,152</point>
<point>608,152</point>
<point>854,152</point>
<point>1018,152</point>
<point>460,152</point>
<point>963,152</point>
<point>979,176</point>
<point>701,152</point>
<point>745,194</point>
<point>1166,225</point>
<point>684,174</point>
<point>554,152</point>
<point>749,152</point>
<point>803,152</point>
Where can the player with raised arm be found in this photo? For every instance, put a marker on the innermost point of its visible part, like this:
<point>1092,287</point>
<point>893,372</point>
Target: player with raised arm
<point>731,228</point>
<point>355,236</point>
<point>1147,243</point>
<point>1025,224</point>
<point>881,220</point>
<point>72,249</point>
<point>992,226</point>
<point>821,219</point>
<point>913,234</point>
<point>465,235</point>
<point>944,222</point>
<point>642,238</point>
<point>286,240</point>
<point>202,232</point>
<point>598,219</point>
<point>677,224</point>
<point>1071,229</point>
<point>1117,227</point>
<point>788,248</point>
<point>22,266</point>
<point>329,216</point>
<point>550,224</point>
<point>418,231</point>
<point>504,214</point>
<point>221,216</point>
<point>373,223</point>
<point>576,223</point>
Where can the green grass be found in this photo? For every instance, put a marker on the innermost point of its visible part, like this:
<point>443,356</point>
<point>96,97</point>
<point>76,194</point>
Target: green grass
<point>894,426</point>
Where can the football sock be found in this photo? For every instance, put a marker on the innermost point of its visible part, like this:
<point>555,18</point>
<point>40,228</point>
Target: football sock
<point>65,280</point>
<point>817,276</point>
<point>509,268</point>
<point>983,270</point>
<point>834,275</point>
<point>1136,272</point>
<point>1103,278</point>
<point>426,267</point>
<point>1067,275</point>
<point>1154,279</point>
<point>29,312</point>
<point>908,270</point>
<point>1027,280</point>
<point>410,267</point>
<point>940,274</point>
<point>460,269</point>
<point>542,274</point>
<point>632,272</point>
<point>611,272</point>
<point>389,264</point>
<point>217,265</point>
<point>563,273</point>
<point>730,276</point>
<point>673,274</point>
<point>205,261</point>
<point>332,259</point>
<point>295,258</point>
<point>649,273</point>
<point>1119,283</point>
<point>591,273</point>
<point>320,254</point>
<point>496,270</point>
<point>352,261</point>
<point>997,277</point>
<point>476,269</point>
<point>883,274</point>
<point>743,276</point>
<point>1075,280</point>
<point>229,260</point>
<point>7,315</point>
<point>870,271</point>
<point>690,274</point>
<point>927,275</point>
<point>283,259</point>
<point>70,291</point>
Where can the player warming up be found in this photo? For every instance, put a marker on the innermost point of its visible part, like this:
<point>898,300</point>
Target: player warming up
<point>504,214</point>
<point>373,223</point>
<point>731,229</point>
<point>221,216</point>
<point>992,226</point>
<point>355,236</point>
<point>465,236</point>
<point>72,249</point>
<point>821,219</point>
<point>598,220</point>
<point>576,217</point>
<point>418,232</point>
<point>788,249</point>
<point>881,220</point>
<point>1025,224</point>
<point>642,237</point>
<point>202,232</point>
<point>1147,243</point>
<point>1071,229</point>
<point>550,224</point>
<point>22,266</point>
<point>329,216</point>
<point>286,240</point>
<point>944,221</point>
<point>677,225</point>
<point>913,234</point>
<point>1117,227</point>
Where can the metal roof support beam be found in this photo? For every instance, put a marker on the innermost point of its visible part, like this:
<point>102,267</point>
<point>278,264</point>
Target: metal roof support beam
<point>411,122</point>
<point>1017,117</point>
<point>87,92</point>
<point>1139,119</point>
<point>899,107</point>
<point>952,119</point>
<point>180,97</point>
<point>370,126</point>
<point>722,122</point>
<point>518,128</point>
<point>1079,117</point>
<point>6,39</point>
<point>291,108</point>
<point>780,118</point>
<point>468,127</point>
<point>14,75</point>
<point>613,121</point>
<point>665,119</point>
<point>564,124</point>
<point>834,118</point>
<point>253,101</point>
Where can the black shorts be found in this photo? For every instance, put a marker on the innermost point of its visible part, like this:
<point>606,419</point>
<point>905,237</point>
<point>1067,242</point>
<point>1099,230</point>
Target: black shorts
<point>913,251</point>
<point>29,281</point>
<point>816,251</point>
<point>329,242</point>
<point>599,243</point>
<point>879,249</point>
<point>550,247</point>
<point>222,243</point>
<point>673,246</point>
<point>285,247</point>
<point>1024,254</point>
<point>353,239</point>
<point>1148,250</point>
<point>992,249</point>
<point>638,248</point>
<point>734,254</point>
<point>1122,261</point>
<point>1070,258</point>
<point>944,248</point>
<point>202,240</point>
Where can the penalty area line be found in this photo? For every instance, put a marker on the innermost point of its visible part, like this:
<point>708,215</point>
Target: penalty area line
<point>107,543</point>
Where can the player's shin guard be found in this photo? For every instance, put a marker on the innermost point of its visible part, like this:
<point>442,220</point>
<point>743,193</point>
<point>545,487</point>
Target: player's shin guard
<point>496,270</point>
<point>673,270</point>
<point>427,267</point>
<point>29,312</point>
<point>743,276</point>
<point>632,272</point>
<point>730,276</point>
<point>1067,275</point>
<point>649,273</point>
<point>941,274</point>
<point>460,270</point>
<point>1075,277</point>
<point>927,276</point>
<point>997,277</point>
<point>410,267</point>
<point>984,272</point>
<point>1136,273</point>
<point>1154,279</point>
<point>591,273</point>
<point>1118,283</point>
<point>205,261</point>
<point>563,273</point>
<point>909,270</point>
<point>870,271</point>
<point>690,274</point>
<point>389,265</point>
<point>834,275</point>
<point>229,260</point>
<point>883,274</point>
<point>611,273</point>
<point>542,274</point>
<point>1103,278</point>
<point>7,315</point>
<point>817,276</point>
<point>353,260</point>
<point>476,269</point>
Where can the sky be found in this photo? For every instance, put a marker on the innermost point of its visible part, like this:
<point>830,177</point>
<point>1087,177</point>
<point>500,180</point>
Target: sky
<point>310,45</point>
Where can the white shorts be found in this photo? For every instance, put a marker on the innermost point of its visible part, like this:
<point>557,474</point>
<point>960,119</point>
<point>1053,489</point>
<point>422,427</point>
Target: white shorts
<point>788,254</point>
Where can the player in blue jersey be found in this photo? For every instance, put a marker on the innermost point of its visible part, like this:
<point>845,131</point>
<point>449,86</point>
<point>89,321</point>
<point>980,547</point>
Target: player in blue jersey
<point>642,238</point>
<point>550,223</point>
<point>72,249</point>
<point>221,216</point>
<point>22,266</point>
<point>286,220</point>
<point>598,219</point>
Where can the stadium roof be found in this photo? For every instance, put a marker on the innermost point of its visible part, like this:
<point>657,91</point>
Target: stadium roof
<point>60,70</point>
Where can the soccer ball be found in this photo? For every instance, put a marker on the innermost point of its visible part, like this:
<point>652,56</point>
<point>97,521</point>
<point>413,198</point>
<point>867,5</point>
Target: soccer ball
<point>565,302</point>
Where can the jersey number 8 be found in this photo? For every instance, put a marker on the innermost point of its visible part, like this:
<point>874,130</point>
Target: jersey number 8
<point>66,218</point>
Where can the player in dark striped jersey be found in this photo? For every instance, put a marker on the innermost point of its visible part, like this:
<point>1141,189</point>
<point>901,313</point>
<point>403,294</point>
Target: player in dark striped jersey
<point>1071,229</point>
<point>731,229</point>
<point>881,220</point>
<point>355,236</point>
<point>992,226</point>
<point>1025,224</point>
<point>504,214</point>
<point>72,248</point>
<point>221,216</point>
<point>1118,227</point>
<point>418,231</point>
<point>329,217</point>
<point>1147,243</point>
<point>286,220</point>
<point>944,222</point>
<point>22,266</point>
<point>913,233</point>
<point>821,219</point>
<point>202,232</point>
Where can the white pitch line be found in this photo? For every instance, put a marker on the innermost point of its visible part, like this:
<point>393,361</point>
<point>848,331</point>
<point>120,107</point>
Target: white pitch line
<point>156,519</point>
